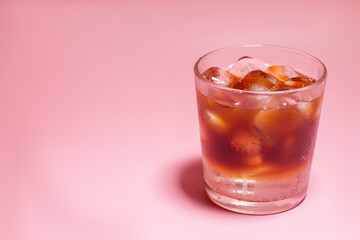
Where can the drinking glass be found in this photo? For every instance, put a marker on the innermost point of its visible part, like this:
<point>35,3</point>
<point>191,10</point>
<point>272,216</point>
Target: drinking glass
<point>257,147</point>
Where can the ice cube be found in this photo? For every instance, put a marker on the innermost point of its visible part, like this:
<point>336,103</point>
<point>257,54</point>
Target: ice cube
<point>216,122</point>
<point>219,76</point>
<point>253,160</point>
<point>305,108</point>
<point>283,73</point>
<point>260,170</point>
<point>245,65</point>
<point>273,124</point>
<point>256,81</point>
<point>279,102</point>
<point>249,145</point>
<point>203,134</point>
<point>281,87</point>
<point>298,82</point>
<point>309,109</point>
<point>246,143</point>
<point>289,145</point>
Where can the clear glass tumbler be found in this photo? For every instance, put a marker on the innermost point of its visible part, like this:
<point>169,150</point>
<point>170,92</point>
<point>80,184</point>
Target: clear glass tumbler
<point>277,129</point>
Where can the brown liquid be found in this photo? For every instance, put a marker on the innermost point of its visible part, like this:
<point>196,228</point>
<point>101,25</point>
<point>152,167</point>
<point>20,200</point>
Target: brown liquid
<point>258,142</point>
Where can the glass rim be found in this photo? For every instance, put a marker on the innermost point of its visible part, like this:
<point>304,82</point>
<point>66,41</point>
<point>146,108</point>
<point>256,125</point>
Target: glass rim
<point>311,86</point>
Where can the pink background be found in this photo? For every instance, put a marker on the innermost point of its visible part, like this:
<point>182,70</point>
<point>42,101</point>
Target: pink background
<point>99,136</point>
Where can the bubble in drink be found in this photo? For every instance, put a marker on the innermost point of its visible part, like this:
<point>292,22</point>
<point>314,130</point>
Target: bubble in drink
<point>283,73</point>
<point>245,65</point>
<point>256,81</point>
<point>219,76</point>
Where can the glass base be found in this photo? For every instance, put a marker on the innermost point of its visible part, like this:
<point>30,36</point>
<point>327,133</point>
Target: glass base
<point>254,208</point>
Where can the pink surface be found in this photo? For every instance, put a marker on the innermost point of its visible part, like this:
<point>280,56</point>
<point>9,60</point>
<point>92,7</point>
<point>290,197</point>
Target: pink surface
<point>99,136</point>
